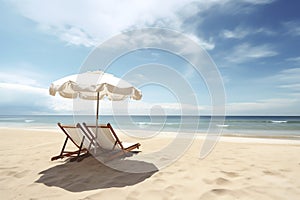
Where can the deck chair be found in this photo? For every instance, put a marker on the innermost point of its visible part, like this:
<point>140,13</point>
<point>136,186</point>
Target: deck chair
<point>109,141</point>
<point>93,144</point>
<point>80,142</point>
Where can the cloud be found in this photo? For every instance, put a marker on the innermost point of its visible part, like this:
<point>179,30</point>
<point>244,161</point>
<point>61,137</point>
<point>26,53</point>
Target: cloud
<point>295,86</point>
<point>295,60</point>
<point>90,22</point>
<point>22,93</point>
<point>206,44</point>
<point>246,52</point>
<point>288,80</point>
<point>167,108</point>
<point>275,106</point>
<point>7,77</point>
<point>21,99</point>
<point>290,75</point>
<point>22,88</point>
<point>259,2</point>
<point>24,98</point>
<point>287,99</point>
<point>132,107</point>
<point>20,73</point>
<point>287,85</point>
<point>292,27</point>
<point>242,32</point>
<point>36,100</point>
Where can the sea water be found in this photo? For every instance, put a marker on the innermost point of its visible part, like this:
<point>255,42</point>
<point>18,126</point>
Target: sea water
<point>256,126</point>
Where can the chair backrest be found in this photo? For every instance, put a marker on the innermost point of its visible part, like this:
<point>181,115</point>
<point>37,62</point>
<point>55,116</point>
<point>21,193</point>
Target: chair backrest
<point>105,137</point>
<point>75,134</point>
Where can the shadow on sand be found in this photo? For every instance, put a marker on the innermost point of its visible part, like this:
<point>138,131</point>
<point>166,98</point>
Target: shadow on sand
<point>90,174</point>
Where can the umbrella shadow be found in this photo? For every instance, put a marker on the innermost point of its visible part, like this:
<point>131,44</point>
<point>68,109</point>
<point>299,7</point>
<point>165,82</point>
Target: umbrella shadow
<point>90,174</point>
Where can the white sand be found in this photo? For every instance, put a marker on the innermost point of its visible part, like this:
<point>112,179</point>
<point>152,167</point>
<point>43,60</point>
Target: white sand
<point>236,169</point>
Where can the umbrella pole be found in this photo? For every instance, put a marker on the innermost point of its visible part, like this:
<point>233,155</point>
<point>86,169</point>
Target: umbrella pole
<point>97,115</point>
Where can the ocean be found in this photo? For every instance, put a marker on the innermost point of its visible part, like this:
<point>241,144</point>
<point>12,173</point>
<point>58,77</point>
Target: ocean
<point>253,126</point>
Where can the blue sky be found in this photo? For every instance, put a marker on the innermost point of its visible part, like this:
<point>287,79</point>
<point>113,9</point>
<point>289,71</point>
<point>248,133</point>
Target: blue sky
<point>254,44</point>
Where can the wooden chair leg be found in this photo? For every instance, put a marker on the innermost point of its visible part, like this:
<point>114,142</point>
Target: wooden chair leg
<point>63,148</point>
<point>62,151</point>
<point>80,147</point>
<point>79,151</point>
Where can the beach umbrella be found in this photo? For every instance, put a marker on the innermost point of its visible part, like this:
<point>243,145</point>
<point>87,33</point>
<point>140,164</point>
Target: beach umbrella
<point>94,85</point>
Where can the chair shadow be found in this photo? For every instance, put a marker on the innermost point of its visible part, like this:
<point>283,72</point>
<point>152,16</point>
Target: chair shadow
<point>90,174</point>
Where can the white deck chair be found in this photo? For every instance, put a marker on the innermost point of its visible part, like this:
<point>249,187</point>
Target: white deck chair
<point>77,137</point>
<point>107,139</point>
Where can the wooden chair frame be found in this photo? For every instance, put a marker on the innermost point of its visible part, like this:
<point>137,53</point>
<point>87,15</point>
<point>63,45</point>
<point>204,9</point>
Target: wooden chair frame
<point>124,150</point>
<point>64,153</point>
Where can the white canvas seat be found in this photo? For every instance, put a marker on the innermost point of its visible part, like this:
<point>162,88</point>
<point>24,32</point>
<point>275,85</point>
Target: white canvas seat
<point>107,139</point>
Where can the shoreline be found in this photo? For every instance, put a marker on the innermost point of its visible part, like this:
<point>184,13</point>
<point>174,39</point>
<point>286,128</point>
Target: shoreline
<point>237,138</point>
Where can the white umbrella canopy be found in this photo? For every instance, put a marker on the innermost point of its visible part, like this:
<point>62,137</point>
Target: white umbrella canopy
<point>94,85</point>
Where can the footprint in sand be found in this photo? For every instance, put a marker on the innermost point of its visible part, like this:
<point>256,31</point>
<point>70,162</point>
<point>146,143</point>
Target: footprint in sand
<point>133,195</point>
<point>207,181</point>
<point>9,173</point>
<point>271,173</point>
<point>285,170</point>
<point>15,174</point>
<point>170,190</point>
<point>221,181</point>
<point>218,181</point>
<point>21,174</point>
<point>159,181</point>
<point>230,174</point>
<point>219,191</point>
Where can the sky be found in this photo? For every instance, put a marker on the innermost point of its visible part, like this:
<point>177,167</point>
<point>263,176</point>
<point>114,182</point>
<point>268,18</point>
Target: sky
<point>253,43</point>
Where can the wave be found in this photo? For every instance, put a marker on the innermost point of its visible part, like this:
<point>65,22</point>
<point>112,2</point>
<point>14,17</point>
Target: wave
<point>222,125</point>
<point>155,124</point>
<point>29,120</point>
<point>278,121</point>
<point>11,119</point>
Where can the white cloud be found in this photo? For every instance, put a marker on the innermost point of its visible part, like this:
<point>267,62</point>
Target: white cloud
<point>77,37</point>
<point>34,100</point>
<point>293,27</point>
<point>291,75</point>
<point>209,45</point>
<point>288,80</point>
<point>295,86</point>
<point>145,108</point>
<point>295,60</point>
<point>257,2</point>
<point>8,77</point>
<point>237,33</point>
<point>90,22</point>
<point>287,99</point>
<point>20,73</point>
<point>276,106</point>
<point>22,88</point>
<point>33,97</point>
<point>246,52</point>
<point>242,32</point>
